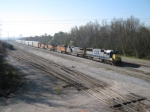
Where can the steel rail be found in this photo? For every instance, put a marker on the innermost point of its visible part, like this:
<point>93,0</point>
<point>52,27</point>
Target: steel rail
<point>35,62</point>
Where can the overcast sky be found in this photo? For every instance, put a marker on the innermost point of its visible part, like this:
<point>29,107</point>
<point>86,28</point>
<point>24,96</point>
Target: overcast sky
<point>37,17</point>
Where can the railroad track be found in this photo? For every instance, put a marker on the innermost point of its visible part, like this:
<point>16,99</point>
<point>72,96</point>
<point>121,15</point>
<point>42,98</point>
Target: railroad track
<point>59,69</point>
<point>118,100</point>
<point>141,64</point>
<point>145,76</point>
<point>136,73</point>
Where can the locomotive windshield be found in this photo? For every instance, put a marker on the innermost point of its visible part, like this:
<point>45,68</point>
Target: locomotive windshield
<point>113,52</point>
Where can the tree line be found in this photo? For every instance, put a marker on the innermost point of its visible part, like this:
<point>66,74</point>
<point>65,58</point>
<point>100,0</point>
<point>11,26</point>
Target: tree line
<point>129,37</point>
<point>43,38</point>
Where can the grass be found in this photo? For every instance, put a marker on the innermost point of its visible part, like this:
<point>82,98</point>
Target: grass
<point>135,59</point>
<point>10,78</point>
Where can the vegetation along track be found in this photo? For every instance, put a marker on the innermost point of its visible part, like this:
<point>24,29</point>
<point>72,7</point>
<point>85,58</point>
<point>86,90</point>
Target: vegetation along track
<point>119,100</point>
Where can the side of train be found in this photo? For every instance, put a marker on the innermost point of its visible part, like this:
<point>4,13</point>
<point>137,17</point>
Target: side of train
<point>105,56</point>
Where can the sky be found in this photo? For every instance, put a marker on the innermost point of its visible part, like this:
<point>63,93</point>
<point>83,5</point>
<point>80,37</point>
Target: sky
<point>37,17</point>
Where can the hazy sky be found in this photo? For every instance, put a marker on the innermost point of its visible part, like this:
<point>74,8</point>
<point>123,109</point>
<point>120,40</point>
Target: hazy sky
<point>37,17</point>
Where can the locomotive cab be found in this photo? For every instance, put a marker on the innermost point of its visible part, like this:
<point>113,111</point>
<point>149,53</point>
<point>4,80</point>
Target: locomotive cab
<point>112,57</point>
<point>115,58</point>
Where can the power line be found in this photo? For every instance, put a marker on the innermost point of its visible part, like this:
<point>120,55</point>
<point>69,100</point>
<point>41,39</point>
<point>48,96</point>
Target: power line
<point>67,21</point>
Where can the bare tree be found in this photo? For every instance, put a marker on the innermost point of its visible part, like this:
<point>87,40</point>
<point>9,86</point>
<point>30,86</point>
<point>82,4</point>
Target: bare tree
<point>0,29</point>
<point>129,36</point>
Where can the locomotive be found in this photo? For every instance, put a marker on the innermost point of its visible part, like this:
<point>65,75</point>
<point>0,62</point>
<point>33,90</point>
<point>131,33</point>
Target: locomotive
<point>105,56</point>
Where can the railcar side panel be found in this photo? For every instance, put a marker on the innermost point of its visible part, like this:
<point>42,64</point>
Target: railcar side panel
<point>50,47</point>
<point>61,49</point>
<point>42,46</point>
<point>46,46</point>
<point>30,43</point>
<point>89,52</point>
<point>36,44</point>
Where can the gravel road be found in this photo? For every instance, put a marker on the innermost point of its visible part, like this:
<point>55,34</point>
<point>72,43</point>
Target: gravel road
<point>40,92</point>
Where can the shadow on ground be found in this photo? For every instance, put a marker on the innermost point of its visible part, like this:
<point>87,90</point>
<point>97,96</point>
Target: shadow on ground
<point>131,65</point>
<point>42,88</point>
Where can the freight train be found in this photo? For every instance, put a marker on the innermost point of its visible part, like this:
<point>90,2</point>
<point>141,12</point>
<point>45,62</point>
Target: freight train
<point>105,56</point>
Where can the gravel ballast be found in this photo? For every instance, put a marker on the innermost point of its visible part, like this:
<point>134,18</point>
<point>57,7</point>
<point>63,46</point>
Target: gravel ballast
<point>40,93</point>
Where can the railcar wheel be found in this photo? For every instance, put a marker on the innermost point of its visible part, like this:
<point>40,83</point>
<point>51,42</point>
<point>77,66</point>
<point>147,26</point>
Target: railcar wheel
<point>114,63</point>
<point>107,61</point>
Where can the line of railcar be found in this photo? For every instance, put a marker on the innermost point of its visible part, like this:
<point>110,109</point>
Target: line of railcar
<point>105,56</point>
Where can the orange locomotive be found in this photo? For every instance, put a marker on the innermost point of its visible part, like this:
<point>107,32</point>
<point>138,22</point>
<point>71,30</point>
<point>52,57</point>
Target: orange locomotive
<point>64,49</point>
<point>42,46</point>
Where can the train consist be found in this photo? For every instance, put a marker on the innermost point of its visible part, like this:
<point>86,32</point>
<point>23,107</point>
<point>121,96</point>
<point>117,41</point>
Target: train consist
<point>105,56</point>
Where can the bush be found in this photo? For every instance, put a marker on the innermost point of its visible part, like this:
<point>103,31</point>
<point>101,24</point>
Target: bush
<point>10,78</point>
<point>148,57</point>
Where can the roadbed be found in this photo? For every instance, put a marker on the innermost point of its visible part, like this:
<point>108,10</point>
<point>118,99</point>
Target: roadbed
<point>41,94</point>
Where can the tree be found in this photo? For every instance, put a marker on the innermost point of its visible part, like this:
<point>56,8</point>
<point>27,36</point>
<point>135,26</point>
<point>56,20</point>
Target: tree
<point>129,37</point>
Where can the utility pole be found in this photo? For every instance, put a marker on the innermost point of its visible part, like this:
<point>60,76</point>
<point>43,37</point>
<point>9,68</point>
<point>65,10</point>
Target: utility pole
<point>0,37</point>
<point>0,29</point>
<point>0,34</point>
<point>8,35</point>
<point>0,42</point>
